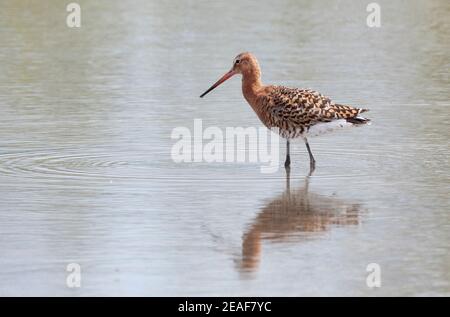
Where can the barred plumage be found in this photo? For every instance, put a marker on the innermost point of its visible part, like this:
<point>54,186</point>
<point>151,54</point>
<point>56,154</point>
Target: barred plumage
<point>293,111</point>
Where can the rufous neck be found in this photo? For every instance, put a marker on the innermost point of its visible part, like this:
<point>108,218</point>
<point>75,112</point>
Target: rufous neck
<point>251,84</point>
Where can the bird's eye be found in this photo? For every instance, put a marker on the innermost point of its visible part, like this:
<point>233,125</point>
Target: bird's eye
<point>237,61</point>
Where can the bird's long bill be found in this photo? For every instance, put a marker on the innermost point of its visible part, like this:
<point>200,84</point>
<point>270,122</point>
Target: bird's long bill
<point>221,80</point>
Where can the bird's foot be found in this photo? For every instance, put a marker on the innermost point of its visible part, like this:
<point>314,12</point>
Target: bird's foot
<point>287,163</point>
<point>288,169</point>
<point>312,167</point>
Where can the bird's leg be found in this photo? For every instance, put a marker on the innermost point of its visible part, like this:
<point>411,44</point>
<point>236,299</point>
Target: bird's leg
<point>312,161</point>
<point>287,163</point>
<point>288,179</point>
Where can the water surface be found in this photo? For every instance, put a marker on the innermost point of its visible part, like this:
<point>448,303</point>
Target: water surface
<point>86,174</point>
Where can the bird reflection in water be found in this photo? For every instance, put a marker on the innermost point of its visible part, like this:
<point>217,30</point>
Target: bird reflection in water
<point>296,214</point>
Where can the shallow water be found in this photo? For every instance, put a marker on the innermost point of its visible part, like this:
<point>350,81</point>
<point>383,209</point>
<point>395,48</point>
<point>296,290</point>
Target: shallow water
<point>86,174</point>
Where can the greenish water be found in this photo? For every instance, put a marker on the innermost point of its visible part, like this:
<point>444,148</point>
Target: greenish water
<point>86,174</point>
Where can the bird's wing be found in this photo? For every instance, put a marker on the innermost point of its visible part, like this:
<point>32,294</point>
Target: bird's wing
<point>305,107</point>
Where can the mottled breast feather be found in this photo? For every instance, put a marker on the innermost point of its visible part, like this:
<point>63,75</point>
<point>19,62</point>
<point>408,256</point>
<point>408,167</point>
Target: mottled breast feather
<point>293,110</point>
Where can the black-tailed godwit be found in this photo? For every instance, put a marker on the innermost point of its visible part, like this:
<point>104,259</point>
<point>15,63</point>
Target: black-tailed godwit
<point>294,113</point>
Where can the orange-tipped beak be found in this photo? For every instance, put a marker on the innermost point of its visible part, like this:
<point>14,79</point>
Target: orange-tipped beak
<point>221,80</point>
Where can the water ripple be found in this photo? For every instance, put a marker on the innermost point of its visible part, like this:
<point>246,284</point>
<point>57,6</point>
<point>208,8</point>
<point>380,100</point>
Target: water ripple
<point>68,163</point>
<point>57,163</point>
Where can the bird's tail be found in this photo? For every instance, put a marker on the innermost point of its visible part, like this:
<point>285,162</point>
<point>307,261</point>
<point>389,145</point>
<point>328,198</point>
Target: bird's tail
<point>351,114</point>
<point>358,120</point>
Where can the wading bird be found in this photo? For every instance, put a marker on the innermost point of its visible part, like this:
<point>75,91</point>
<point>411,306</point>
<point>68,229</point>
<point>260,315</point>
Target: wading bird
<point>292,112</point>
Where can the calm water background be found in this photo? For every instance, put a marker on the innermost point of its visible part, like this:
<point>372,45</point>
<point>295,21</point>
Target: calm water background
<point>86,174</point>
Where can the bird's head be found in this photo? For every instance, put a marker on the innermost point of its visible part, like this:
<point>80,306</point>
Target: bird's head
<point>245,64</point>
